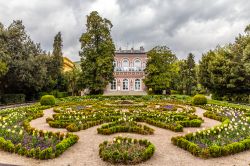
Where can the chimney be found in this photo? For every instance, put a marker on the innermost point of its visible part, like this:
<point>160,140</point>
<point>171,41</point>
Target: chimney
<point>142,49</point>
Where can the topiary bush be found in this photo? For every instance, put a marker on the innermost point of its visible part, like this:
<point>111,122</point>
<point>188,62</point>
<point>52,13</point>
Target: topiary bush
<point>48,100</point>
<point>199,100</point>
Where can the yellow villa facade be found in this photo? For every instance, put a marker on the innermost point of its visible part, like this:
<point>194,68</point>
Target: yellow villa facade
<point>68,65</point>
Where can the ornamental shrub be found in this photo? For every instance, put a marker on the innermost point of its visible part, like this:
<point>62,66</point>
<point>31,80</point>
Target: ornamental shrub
<point>48,100</point>
<point>199,100</point>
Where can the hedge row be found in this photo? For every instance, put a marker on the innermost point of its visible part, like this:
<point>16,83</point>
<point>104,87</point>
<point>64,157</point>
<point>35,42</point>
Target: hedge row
<point>12,98</point>
<point>212,151</point>
<point>37,153</point>
<point>116,127</point>
<point>211,115</point>
<point>174,127</point>
<point>74,127</point>
<point>49,153</point>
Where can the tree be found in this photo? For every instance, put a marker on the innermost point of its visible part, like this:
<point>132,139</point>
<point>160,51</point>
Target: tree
<point>204,75</point>
<point>190,80</point>
<point>181,77</point>
<point>3,69</point>
<point>187,76</point>
<point>97,53</point>
<point>72,78</point>
<point>159,69</point>
<point>57,57</point>
<point>56,80</point>
<point>225,70</point>
<point>26,69</point>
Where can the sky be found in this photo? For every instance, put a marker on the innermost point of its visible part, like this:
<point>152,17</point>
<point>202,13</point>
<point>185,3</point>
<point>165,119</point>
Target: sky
<point>183,25</point>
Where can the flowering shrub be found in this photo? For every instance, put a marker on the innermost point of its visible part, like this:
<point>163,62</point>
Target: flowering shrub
<point>17,136</point>
<point>126,150</point>
<point>231,137</point>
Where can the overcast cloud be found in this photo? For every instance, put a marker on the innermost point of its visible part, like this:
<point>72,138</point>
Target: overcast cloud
<point>184,25</point>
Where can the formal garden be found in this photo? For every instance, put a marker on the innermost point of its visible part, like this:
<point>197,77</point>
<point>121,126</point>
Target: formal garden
<point>115,116</point>
<point>191,113</point>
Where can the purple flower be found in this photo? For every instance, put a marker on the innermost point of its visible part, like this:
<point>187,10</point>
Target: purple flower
<point>169,107</point>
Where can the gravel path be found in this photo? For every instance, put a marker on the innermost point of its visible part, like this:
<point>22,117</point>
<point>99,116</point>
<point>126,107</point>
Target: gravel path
<point>85,152</point>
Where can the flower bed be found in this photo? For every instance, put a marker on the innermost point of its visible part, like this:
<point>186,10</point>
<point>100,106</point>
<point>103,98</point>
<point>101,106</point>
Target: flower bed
<point>232,136</point>
<point>126,150</point>
<point>79,119</point>
<point>123,126</point>
<point>17,136</point>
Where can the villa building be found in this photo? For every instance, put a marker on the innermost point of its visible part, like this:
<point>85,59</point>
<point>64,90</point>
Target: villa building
<point>68,65</point>
<point>128,72</point>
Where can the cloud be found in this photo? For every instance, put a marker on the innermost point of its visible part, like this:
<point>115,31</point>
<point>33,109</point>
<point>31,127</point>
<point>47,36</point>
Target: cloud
<point>184,26</point>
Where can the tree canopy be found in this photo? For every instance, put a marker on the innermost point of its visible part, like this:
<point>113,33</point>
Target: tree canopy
<point>160,69</point>
<point>225,70</point>
<point>24,66</point>
<point>97,53</point>
<point>187,75</point>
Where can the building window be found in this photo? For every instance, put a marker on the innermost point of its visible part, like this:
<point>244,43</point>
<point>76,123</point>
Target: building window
<point>137,84</point>
<point>125,84</point>
<point>113,85</point>
<point>137,63</point>
<point>115,64</point>
<point>125,63</point>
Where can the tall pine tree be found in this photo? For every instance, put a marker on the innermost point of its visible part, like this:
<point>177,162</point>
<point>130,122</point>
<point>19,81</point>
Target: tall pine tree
<point>57,57</point>
<point>97,54</point>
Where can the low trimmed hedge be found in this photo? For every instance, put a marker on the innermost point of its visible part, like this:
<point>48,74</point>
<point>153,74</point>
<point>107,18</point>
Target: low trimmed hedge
<point>13,98</point>
<point>132,127</point>
<point>211,115</point>
<point>212,151</point>
<point>37,153</point>
<point>117,151</point>
<point>64,141</point>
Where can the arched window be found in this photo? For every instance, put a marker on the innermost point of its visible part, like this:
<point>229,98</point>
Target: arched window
<point>113,85</point>
<point>115,64</point>
<point>125,63</point>
<point>125,84</point>
<point>137,63</point>
<point>137,84</point>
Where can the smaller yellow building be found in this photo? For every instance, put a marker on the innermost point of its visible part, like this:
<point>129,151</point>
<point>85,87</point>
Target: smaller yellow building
<point>68,65</point>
